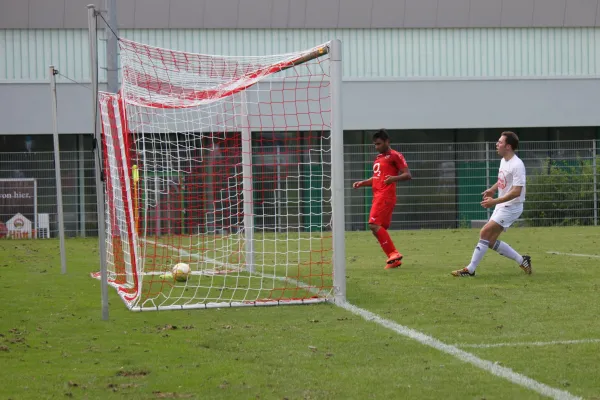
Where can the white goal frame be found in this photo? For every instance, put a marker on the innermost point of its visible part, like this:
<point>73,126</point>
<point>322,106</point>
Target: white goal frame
<point>338,293</point>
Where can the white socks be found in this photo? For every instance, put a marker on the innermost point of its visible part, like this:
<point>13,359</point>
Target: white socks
<point>502,248</point>
<point>505,250</point>
<point>478,254</point>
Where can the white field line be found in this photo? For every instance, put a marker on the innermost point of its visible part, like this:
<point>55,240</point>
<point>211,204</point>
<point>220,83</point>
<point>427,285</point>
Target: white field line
<point>558,253</point>
<point>493,368</point>
<point>516,344</point>
<point>186,254</point>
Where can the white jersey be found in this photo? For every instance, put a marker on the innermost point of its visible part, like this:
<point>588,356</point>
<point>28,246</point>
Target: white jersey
<point>511,173</point>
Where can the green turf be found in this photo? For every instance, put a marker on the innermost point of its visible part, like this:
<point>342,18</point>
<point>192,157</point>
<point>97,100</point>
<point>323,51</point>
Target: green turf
<point>53,343</point>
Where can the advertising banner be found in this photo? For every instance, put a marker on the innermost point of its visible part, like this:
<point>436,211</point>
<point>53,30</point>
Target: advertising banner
<point>18,207</point>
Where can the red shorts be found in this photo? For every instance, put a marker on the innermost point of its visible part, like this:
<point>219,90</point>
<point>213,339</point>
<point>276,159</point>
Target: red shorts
<point>381,211</point>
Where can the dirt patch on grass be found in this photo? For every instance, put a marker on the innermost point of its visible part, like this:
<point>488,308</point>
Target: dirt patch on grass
<point>134,373</point>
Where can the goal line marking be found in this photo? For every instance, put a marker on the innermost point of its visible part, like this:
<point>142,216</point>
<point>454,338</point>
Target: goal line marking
<point>231,268</point>
<point>518,344</point>
<point>558,253</point>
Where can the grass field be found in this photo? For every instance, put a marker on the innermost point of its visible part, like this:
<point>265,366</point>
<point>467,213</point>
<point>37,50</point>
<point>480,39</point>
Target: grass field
<point>53,343</point>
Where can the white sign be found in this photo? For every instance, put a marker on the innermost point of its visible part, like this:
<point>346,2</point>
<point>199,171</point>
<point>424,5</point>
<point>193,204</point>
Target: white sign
<point>19,226</point>
<point>18,197</point>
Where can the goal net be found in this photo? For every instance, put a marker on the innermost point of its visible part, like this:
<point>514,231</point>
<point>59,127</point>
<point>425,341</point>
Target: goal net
<point>225,164</point>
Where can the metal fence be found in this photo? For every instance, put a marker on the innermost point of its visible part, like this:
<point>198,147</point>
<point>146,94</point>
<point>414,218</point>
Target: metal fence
<point>448,178</point>
<point>445,192</point>
<point>78,187</point>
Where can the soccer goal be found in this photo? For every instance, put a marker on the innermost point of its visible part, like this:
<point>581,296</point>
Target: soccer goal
<point>232,165</point>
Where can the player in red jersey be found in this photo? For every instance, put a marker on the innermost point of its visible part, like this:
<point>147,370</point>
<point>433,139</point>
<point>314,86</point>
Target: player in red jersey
<point>389,168</point>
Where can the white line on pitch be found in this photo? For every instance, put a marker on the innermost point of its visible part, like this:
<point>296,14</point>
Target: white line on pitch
<point>493,368</point>
<point>515,344</point>
<point>186,254</point>
<point>558,253</point>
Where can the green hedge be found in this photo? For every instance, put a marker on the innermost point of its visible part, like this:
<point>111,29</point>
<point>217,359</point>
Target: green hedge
<point>561,193</point>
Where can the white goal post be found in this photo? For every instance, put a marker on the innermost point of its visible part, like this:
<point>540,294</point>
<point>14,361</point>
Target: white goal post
<point>232,165</point>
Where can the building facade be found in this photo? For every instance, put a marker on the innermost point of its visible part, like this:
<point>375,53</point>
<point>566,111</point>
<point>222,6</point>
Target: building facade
<point>408,65</point>
<point>431,71</point>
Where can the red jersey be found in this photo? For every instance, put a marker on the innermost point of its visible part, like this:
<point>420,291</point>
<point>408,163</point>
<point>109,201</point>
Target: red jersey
<point>387,164</point>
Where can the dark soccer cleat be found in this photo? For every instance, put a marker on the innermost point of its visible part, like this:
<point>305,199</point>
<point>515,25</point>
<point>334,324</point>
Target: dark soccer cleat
<point>462,272</point>
<point>526,265</point>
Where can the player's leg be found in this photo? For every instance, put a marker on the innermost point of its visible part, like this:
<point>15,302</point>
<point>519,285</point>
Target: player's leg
<point>384,239</point>
<point>488,234</point>
<point>505,250</point>
<point>395,258</point>
<point>379,221</point>
<point>506,217</point>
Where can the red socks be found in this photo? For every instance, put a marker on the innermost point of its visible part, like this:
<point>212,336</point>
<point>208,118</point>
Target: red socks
<point>385,241</point>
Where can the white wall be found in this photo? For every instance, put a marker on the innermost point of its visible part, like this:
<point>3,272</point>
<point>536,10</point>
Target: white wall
<point>471,103</point>
<point>26,108</point>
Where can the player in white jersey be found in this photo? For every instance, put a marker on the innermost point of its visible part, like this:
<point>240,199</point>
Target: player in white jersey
<point>508,207</point>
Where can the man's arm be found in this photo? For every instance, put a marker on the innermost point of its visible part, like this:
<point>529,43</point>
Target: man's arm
<point>405,175</point>
<point>491,191</point>
<point>368,182</point>
<point>515,192</point>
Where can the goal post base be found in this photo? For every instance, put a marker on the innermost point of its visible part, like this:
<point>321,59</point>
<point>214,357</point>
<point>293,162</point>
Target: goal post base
<point>265,303</point>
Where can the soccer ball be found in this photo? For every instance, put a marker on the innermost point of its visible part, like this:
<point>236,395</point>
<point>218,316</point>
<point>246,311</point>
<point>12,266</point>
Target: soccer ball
<point>181,272</point>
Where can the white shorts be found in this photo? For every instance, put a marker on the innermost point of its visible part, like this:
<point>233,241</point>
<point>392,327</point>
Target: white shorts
<point>505,216</point>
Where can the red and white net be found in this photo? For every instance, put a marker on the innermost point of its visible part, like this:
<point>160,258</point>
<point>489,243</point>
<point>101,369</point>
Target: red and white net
<point>222,163</point>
